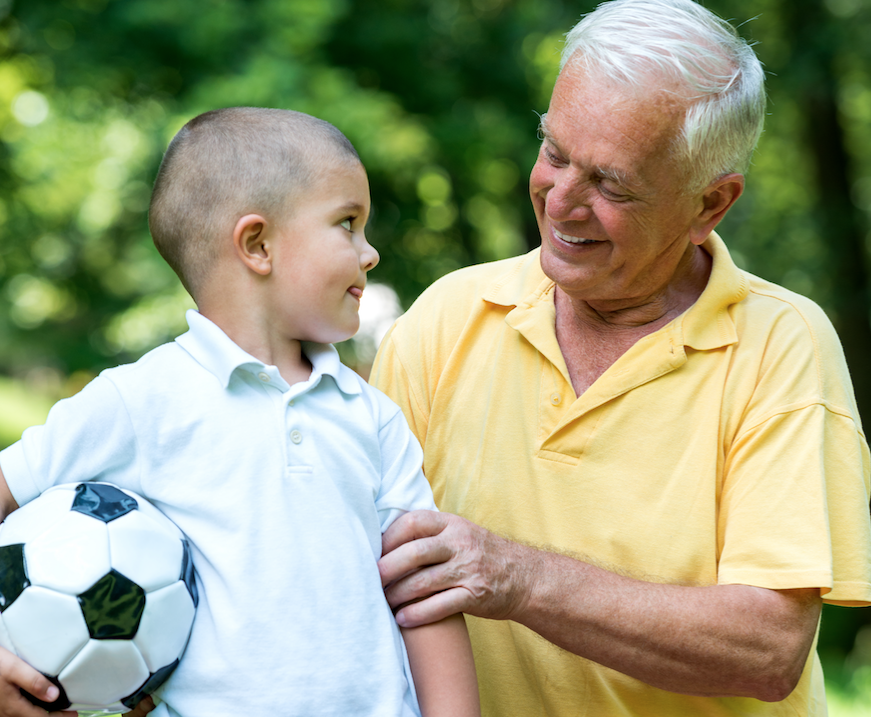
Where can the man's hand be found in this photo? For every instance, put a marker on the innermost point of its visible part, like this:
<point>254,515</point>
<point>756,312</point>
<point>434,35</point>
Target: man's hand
<point>17,675</point>
<point>449,565</point>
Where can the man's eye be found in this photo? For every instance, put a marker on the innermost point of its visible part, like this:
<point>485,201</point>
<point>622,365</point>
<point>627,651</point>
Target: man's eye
<point>551,157</point>
<point>612,194</point>
<point>346,224</point>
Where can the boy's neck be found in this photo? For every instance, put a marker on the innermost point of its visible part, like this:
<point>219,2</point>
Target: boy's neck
<point>257,339</point>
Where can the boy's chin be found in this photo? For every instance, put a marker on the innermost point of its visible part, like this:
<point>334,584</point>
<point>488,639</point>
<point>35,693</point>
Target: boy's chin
<point>335,336</point>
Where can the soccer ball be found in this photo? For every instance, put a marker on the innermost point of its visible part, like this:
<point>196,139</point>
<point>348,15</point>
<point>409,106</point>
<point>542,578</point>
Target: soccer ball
<point>97,592</point>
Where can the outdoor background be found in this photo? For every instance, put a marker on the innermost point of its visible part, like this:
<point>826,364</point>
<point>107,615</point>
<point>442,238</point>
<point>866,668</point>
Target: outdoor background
<point>440,98</point>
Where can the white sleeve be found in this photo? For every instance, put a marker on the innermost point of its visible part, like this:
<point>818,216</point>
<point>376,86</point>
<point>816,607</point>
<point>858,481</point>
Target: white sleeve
<point>403,485</point>
<point>88,436</point>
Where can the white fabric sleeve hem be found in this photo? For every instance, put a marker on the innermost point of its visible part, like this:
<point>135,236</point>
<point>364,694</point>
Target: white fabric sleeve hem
<point>14,465</point>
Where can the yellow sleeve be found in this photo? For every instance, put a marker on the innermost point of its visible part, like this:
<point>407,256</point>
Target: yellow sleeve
<point>390,375</point>
<point>794,507</point>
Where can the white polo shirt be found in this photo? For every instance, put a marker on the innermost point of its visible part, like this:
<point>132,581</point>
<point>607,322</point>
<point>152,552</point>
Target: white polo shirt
<point>283,492</point>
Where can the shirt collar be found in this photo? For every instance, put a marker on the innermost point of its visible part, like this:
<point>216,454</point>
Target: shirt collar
<point>220,355</point>
<point>707,324</point>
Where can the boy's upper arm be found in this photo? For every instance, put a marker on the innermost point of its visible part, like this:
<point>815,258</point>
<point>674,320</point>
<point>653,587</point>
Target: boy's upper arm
<point>7,502</point>
<point>88,436</point>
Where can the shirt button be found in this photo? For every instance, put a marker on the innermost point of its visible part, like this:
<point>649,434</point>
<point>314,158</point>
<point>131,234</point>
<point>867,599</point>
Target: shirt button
<point>296,436</point>
<point>263,377</point>
<point>291,402</point>
<point>555,399</point>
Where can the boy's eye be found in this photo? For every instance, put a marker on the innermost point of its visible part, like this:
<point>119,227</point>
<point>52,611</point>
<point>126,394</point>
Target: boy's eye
<point>346,224</point>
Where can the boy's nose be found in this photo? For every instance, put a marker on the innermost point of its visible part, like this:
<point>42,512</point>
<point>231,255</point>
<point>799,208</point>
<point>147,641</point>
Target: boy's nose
<point>369,257</point>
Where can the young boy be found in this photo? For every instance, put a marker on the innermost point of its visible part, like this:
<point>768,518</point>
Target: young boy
<point>281,466</point>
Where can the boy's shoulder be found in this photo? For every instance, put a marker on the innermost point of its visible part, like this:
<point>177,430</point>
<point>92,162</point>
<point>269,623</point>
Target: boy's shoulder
<point>162,362</point>
<point>167,373</point>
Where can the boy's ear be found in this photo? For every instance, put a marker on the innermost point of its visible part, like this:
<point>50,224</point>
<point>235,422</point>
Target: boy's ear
<point>249,241</point>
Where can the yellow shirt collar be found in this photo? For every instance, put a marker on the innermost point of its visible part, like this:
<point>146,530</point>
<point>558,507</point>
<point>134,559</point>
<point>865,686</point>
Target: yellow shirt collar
<point>707,324</point>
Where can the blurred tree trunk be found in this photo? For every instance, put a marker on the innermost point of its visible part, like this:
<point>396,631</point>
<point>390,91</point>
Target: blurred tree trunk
<point>816,39</point>
<point>816,42</point>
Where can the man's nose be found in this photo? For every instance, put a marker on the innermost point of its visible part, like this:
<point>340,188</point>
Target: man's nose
<point>569,200</point>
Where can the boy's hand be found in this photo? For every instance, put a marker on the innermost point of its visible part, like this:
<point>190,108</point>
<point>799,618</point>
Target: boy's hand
<point>142,709</point>
<point>15,675</point>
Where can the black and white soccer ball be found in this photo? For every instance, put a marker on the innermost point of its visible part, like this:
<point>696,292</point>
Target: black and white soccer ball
<point>97,592</point>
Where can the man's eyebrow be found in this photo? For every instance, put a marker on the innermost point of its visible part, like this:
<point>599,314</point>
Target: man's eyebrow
<point>615,175</point>
<point>543,132</point>
<point>631,183</point>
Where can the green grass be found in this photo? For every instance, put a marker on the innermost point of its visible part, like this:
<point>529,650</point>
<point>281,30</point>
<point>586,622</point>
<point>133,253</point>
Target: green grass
<point>19,409</point>
<point>849,692</point>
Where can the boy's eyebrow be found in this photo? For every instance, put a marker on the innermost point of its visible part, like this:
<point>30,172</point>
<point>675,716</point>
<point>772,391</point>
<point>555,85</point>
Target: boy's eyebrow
<point>351,208</point>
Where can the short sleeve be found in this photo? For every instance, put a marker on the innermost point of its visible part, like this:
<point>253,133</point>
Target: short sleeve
<point>794,507</point>
<point>403,485</point>
<point>88,436</point>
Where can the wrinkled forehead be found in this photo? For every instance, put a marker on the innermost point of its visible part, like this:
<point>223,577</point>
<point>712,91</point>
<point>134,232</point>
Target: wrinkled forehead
<point>583,99</point>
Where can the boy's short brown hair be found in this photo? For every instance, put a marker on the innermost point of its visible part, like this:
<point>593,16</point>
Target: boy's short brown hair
<point>227,163</point>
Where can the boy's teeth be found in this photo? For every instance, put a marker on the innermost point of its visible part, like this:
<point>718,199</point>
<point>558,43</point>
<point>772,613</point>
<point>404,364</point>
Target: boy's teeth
<point>573,240</point>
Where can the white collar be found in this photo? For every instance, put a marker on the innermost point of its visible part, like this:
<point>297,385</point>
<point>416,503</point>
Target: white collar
<point>219,354</point>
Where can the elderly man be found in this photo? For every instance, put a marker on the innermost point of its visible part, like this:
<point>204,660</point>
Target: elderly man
<point>651,462</point>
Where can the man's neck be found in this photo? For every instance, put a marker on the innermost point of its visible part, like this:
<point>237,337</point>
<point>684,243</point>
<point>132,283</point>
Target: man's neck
<point>592,336</point>
<point>645,313</point>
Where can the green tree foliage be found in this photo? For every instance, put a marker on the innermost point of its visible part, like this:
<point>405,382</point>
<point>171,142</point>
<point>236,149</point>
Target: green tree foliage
<point>439,96</point>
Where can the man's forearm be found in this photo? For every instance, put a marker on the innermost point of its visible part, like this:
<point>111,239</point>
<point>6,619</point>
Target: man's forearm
<point>727,640</point>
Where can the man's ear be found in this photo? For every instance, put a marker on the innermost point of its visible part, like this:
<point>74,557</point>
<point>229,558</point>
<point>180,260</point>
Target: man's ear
<point>717,198</point>
<point>250,244</point>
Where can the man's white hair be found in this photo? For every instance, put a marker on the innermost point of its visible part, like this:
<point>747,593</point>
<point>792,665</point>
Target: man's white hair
<point>641,44</point>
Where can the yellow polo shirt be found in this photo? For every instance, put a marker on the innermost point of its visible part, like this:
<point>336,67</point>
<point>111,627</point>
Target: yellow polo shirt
<point>724,448</point>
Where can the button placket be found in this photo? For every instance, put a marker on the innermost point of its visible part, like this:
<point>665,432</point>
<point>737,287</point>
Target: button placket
<point>294,426</point>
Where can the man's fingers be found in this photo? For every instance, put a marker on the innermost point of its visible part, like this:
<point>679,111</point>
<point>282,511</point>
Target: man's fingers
<point>434,608</point>
<point>408,558</point>
<point>436,575</point>
<point>412,526</point>
<point>413,547</point>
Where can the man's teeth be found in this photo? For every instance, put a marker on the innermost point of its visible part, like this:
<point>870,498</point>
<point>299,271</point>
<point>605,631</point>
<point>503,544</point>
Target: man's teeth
<point>573,240</point>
